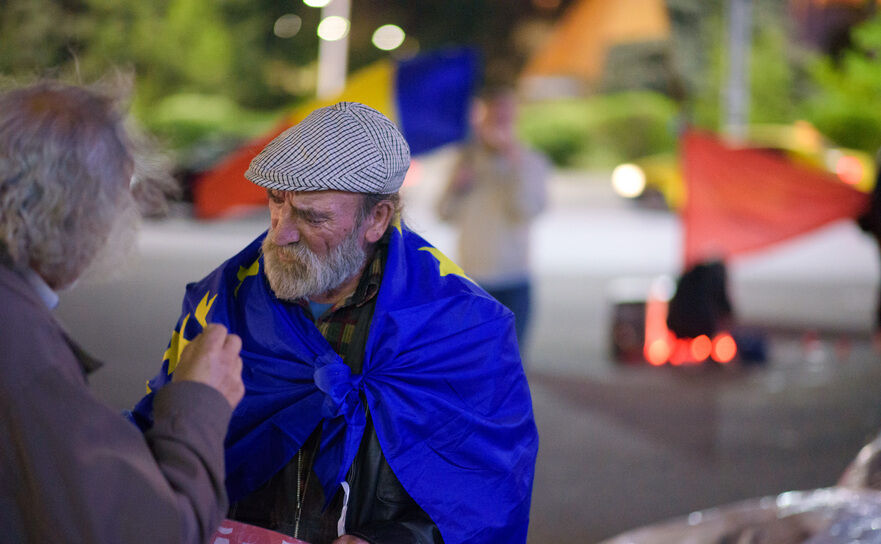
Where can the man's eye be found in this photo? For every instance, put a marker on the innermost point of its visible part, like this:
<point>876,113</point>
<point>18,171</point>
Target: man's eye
<point>275,197</point>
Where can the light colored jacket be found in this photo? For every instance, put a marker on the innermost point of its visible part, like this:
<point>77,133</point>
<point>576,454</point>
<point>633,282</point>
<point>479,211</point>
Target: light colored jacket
<point>493,205</point>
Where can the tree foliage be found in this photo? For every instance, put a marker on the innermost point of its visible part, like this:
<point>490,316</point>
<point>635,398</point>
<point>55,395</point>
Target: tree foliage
<point>847,91</point>
<point>203,67</point>
<point>774,61</point>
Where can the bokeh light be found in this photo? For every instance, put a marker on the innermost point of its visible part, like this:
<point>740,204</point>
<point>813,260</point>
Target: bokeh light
<point>628,180</point>
<point>316,3</point>
<point>388,37</point>
<point>724,348</point>
<point>658,352</point>
<point>701,347</point>
<point>849,169</point>
<point>287,25</point>
<point>333,28</point>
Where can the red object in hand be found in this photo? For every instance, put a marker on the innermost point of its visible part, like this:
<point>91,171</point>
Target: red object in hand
<point>233,532</point>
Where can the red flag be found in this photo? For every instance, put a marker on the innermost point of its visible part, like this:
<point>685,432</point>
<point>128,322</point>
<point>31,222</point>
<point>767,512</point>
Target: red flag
<point>223,190</point>
<point>741,200</point>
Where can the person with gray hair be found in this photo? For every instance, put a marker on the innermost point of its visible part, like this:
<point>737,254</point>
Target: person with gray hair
<point>71,468</point>
<point>385,400</point>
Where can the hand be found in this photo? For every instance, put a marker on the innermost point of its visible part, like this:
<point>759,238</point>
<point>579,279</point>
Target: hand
<point>500,139</point>
<point>463,179</point>
<point>213,358</point>
<point>349,539</point>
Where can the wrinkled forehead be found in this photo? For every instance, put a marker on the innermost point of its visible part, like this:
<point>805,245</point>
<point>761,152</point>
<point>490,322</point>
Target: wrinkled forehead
<point>328,200</point>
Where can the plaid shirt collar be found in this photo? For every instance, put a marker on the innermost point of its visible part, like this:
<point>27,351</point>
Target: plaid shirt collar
<point>370,279</point>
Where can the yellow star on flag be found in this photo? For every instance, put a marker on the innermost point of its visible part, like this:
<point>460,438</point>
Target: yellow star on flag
<point>176,346</point>
<point>244,273</point>
<point>445,265</point>
<point>201,311</point>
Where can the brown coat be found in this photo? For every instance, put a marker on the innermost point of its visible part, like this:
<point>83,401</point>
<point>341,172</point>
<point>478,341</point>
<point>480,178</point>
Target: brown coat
<point>74,470</point>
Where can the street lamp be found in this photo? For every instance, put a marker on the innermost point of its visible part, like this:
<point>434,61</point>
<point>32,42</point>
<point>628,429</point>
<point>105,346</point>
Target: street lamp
<point>333,45</point>
<point>388,37</point>
<point>287,25</point>
<point>736,97</point>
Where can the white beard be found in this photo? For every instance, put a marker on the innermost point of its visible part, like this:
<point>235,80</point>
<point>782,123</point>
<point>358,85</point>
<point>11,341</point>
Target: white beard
<point>303,274</point>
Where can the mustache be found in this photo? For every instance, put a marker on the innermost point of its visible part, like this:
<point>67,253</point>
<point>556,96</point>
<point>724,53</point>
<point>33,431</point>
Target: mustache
<point>295,249</point>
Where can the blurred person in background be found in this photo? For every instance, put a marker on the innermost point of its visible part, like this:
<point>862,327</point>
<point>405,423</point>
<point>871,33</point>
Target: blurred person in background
<point>495,191</point>
<point>73,469</point>
<point>701,305</point>
<point>385,398</point>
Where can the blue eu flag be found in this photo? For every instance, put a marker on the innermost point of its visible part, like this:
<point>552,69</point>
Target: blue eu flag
<point>442,379</point>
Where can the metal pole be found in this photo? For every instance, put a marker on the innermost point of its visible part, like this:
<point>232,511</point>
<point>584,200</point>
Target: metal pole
<point>333,57</point>
<point>737,89</point>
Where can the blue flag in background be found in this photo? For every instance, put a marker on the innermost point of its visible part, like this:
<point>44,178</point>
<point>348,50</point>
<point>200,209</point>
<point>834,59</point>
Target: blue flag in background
<point>442,379</point>
<point>433,97</point>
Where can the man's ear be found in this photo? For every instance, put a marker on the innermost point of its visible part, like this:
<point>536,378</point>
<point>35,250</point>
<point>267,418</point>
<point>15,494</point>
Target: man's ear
<point>378,220</point>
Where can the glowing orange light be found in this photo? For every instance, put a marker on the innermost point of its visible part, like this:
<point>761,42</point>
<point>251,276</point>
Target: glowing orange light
<point>849,169</point>
<point>680,354</point>
<point>657,352</point>
<point>658,342</point>
<point>701,347</point>
<point>724,348</point>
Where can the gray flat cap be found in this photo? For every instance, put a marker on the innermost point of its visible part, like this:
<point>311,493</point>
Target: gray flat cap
<point>346,147</point>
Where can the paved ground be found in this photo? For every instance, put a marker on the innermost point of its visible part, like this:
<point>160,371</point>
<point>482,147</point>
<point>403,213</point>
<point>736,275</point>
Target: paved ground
<point>620,447</point>
<point>639,445</point>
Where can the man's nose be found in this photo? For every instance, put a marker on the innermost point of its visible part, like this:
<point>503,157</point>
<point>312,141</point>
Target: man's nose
<point>286,231</point>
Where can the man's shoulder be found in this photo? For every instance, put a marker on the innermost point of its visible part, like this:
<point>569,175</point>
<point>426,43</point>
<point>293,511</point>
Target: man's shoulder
<point>31,341</point>
<point>17,294</point>
<point>22,312</point>
<point>431,276</point>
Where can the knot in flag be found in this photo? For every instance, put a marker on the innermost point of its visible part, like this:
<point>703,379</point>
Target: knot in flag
<point>340,386</point>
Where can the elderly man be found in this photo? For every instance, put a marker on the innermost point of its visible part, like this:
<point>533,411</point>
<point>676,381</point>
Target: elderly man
<point>73,469</point>
<point>385,399</point>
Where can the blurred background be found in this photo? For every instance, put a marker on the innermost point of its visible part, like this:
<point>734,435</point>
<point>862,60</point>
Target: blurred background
<point>606,88</point>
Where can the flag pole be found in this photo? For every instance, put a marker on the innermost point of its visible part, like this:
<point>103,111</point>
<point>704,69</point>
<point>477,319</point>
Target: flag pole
<point>736,91</point>
<point>333,55</point>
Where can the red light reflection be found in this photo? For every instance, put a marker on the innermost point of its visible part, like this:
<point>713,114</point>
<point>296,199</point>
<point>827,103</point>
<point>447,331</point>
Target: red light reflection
<point>849,169</point>
<point>701,348</point>
<point>724,348</point>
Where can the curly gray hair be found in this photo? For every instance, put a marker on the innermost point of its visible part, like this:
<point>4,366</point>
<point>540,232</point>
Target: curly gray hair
<point>66,161</point>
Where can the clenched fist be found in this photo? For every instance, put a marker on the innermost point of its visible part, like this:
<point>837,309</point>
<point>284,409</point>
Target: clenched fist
<point>213,358</point>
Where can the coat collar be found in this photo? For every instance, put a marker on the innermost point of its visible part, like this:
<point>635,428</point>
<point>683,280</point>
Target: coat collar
<point>18,281</point>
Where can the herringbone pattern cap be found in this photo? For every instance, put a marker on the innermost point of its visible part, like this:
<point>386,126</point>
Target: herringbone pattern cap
<point>346,147</point>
